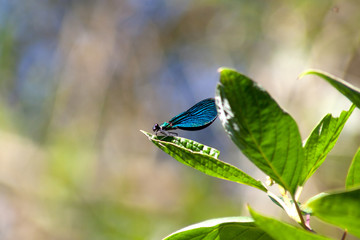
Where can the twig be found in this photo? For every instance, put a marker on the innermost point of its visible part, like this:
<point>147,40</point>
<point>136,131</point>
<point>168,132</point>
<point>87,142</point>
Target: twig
<point>299,213</point>
<point>344,235</point>
<point>307,223</point>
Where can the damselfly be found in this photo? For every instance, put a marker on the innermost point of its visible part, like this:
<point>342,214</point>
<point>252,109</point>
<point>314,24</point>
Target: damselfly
<point>197,117</point>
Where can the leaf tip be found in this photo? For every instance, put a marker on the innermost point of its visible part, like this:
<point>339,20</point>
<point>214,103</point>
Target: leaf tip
<point>225,69</point>
<point>307,72</point>
<point>251,211</point>
<point>149,135</point>
<point>144,132</point>
<point>220,69</point>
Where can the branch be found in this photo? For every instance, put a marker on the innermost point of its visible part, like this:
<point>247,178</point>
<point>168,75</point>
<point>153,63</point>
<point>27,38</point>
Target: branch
<point>344,235</point>
<point>299,214</point>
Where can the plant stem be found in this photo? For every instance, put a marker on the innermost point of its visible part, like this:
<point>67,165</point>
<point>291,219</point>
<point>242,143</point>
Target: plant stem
<point>344,235</point>
<point>299,213</point>
<point>307,222</point>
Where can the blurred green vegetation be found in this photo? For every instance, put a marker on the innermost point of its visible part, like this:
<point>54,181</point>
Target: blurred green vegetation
<point>78,79</point>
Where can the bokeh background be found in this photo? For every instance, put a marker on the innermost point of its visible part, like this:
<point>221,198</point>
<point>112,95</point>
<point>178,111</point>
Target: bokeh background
<point>79,79</point>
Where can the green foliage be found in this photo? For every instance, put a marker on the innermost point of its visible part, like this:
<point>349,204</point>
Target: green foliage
<point>339,208</point>
<point>280,230</point>
<point>263,131</point>
<point>270,138</point>
<point>348,90</point>
<point>353,177</point>
<point>202,158</point>
<point>322,140</point>
<point>222,228</point>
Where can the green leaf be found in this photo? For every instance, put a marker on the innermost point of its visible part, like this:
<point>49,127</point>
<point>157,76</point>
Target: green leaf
<point>277,200</point>
<point>221,229</point>
<point>280,230</point>
<point>322,140</point>
<point>339,208</point>
<point>348,90</point>
<point>264,132</point>
<point>202,158</point>
<point>353,177</point>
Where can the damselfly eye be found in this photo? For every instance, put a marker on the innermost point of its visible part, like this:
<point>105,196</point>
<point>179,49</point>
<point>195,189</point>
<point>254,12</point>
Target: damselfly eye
<point>156,127</point>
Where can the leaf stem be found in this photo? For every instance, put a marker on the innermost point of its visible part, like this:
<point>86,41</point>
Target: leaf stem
<point>299,213</point>
<point>278,200</point>
<point>344,235</point>
<point>307,222</point>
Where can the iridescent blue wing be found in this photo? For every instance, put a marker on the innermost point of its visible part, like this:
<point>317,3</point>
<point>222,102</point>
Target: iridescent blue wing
<point>197,117</point>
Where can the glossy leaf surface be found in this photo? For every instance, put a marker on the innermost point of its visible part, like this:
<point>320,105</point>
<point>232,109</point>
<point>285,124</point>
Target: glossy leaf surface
<point>222,229</point>
<point>339,208</point>
<point>353,177</point>
<point>348,90</point>
<point>322,140</point>
<point>202,158</point>
<point>264,132</point>
<point>280,230</point>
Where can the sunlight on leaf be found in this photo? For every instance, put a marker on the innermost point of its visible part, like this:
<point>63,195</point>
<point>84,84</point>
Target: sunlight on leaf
<point>322,140</point>
<point>202,158</point>
<point>340,208</point>
<point>353,177</point>
<point>264,132</point>
<point>222,229</point>
<point>280,230</point>
<point>348,90</point>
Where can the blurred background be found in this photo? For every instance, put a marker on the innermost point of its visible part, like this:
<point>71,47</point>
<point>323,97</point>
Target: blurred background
<point>79,79</point>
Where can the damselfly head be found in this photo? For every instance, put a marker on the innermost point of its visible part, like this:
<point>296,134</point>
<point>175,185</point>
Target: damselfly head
<point>156,127</point>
